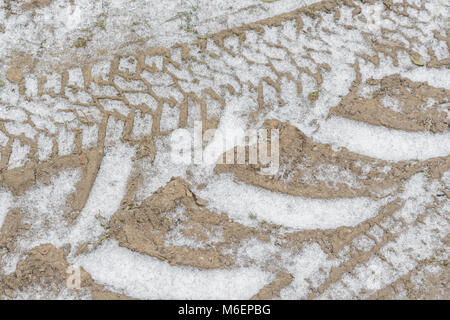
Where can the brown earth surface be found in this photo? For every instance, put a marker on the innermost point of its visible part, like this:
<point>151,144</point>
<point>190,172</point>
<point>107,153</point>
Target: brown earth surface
<point>152,82</point>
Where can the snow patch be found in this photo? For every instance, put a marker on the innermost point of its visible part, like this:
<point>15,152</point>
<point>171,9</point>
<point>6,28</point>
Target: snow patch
<point>145,277</point>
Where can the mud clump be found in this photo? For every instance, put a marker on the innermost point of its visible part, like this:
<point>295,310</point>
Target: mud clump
<point>36,4</point>
<point>145,228</point>
<point>397,103</point>
<point>46,266</point>
<point>12,228</point>
<point>14,75</point>
<point>272,290</point>
<point>19,179</point>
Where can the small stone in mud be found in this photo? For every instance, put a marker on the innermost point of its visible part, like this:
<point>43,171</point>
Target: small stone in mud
<point>14,75</point>
<point>417,60</point>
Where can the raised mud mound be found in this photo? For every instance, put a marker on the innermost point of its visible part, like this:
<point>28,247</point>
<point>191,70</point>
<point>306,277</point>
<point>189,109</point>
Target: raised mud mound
<point>358,92</point>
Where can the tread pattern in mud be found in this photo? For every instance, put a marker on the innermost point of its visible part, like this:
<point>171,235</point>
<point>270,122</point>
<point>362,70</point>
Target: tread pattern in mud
<point>67,120</point>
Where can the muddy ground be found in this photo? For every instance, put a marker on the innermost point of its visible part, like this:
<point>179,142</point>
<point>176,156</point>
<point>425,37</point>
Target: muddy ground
<point>87,182</point>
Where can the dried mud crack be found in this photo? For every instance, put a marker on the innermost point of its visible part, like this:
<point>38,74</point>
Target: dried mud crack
<point>358,208</point>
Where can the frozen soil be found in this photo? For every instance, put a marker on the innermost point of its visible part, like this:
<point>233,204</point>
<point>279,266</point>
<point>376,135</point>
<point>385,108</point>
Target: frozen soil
<point>91,91</point>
